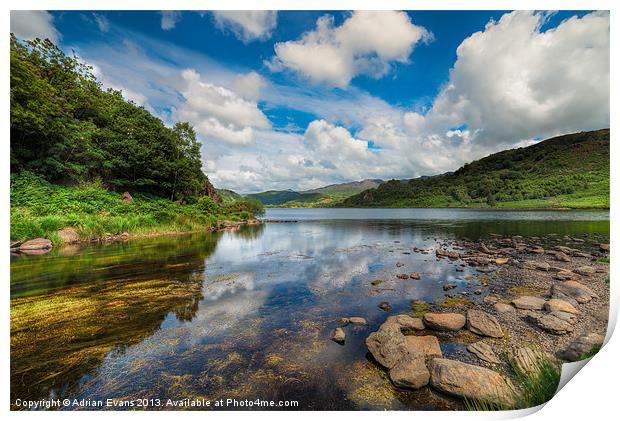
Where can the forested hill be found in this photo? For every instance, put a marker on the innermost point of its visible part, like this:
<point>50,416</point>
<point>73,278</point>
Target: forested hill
<point>67,129</point>
<point>570,171</point>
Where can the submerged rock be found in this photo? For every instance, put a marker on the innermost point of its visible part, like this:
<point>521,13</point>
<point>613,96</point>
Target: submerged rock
<point>415,275</point>
<point>338,335</point>
<point>470,381</point>
<point>358,320</point>
<point>444,321</point>
<point>484,324</point>
<point>484,351</point>
<point>581,346</point>
<point>376,282</point>
<point>447,287</point>
<point>410,372</point>
<point>343,321</point>
<point>528,302</point>
<point>385,306</point>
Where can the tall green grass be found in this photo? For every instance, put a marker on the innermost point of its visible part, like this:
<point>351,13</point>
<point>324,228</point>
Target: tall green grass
<point>531,388</point>
<point>40,209</point>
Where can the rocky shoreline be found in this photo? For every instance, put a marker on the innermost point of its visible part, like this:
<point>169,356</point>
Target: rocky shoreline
<point>548,300</point>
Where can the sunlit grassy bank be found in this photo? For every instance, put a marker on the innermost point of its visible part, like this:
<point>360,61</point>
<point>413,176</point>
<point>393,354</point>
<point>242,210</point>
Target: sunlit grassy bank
<point>41,209</point>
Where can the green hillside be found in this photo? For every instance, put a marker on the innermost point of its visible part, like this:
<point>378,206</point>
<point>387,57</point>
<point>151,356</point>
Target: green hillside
<point>326,196</point>
<point>570,171</point>
<point>229,195</point>
<point>279,197</point>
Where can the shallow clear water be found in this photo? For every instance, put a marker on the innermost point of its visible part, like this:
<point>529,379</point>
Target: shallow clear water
<point>249,312</point>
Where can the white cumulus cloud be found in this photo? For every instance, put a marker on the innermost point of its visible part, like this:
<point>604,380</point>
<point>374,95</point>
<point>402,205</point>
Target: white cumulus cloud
<point>366,43</point>
<point>31,24</point>
<point>247,25</point>
<point>218,112</point>
<point>249,85</point>
<point>513,81</point>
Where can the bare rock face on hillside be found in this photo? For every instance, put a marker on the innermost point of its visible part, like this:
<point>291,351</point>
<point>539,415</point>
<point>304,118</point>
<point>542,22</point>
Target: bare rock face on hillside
<point>127,197</point>
<point>210,191</point>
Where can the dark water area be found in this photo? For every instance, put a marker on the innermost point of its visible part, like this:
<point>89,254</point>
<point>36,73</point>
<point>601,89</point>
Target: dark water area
<point>247,314</point>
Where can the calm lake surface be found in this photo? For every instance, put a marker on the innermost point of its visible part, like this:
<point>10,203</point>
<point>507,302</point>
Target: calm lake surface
<point>246,314</point>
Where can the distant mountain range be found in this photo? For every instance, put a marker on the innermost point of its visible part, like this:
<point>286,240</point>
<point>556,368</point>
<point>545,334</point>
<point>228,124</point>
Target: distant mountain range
<point>319,197</point>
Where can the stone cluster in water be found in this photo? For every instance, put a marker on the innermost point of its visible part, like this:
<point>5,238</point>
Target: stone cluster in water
<point>409,347</point>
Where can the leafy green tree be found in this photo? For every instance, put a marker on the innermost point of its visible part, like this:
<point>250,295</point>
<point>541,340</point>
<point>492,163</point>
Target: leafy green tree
<point>68,129</point>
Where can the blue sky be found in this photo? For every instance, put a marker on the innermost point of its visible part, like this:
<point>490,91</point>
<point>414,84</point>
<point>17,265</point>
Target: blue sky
<point>298,99</point>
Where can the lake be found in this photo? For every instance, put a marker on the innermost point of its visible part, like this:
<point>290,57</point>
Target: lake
<point>248,314</point>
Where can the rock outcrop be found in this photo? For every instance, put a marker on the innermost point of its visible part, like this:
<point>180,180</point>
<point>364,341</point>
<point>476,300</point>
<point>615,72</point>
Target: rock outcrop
<point>36,244</point>
<point>444,321</point>
<point>581,346</point>
<point>470,381</point>
<point>387,346</point>
<point>209,190</point>
<point>484,351</point>
<point>528,302</point>
<point>482,323</point>
<point>410,372</point>
<point>572,290</point>
<point>427,345</point>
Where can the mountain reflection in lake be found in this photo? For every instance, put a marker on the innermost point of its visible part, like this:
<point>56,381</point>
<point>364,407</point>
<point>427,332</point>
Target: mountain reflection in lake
<point>244,314</point>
